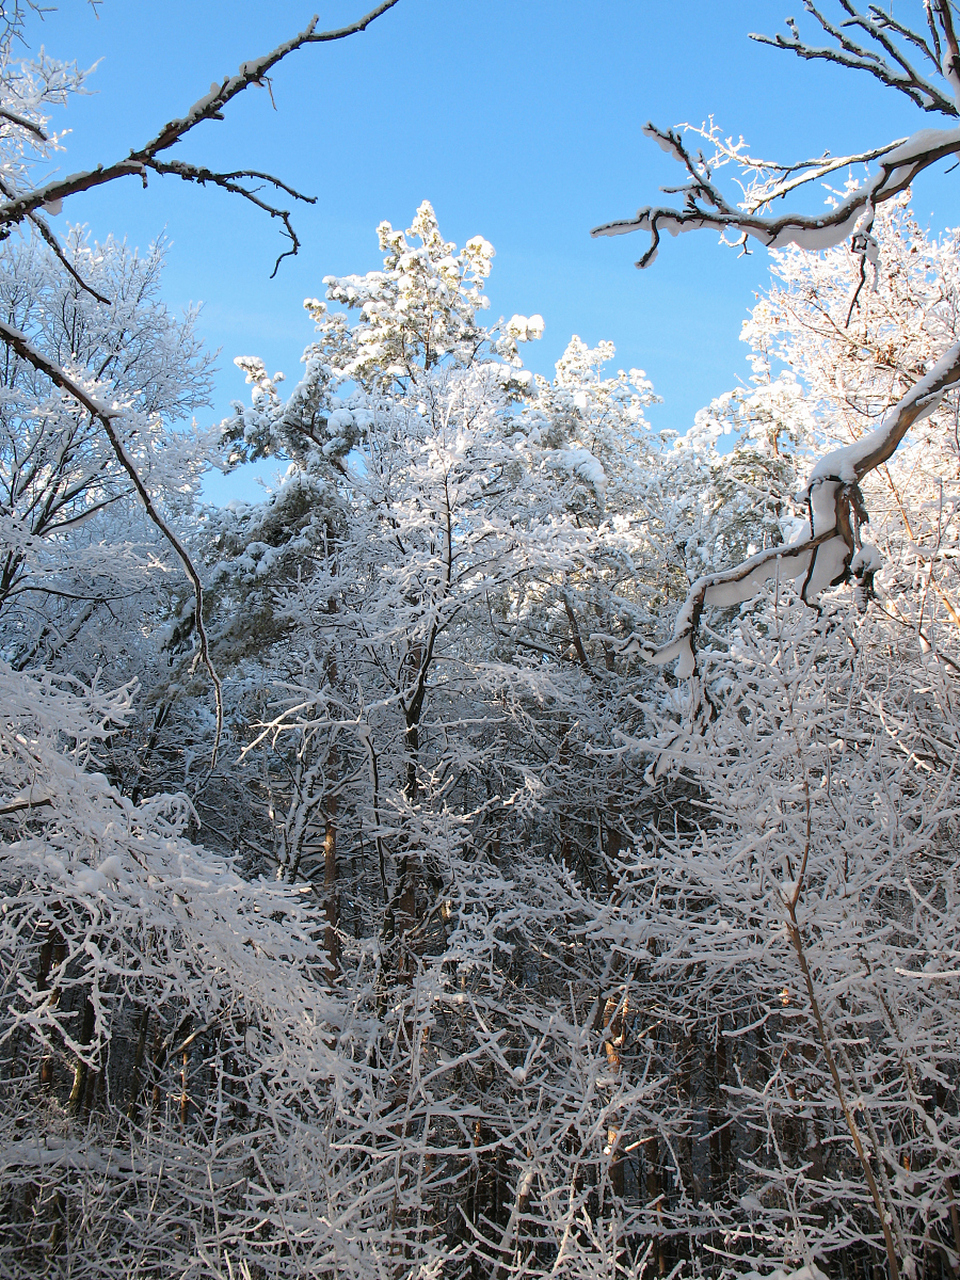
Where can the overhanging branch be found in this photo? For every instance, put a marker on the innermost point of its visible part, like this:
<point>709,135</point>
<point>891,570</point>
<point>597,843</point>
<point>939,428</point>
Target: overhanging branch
<point>824,557</point>
<point>141,160</point>
<point>707,206</point>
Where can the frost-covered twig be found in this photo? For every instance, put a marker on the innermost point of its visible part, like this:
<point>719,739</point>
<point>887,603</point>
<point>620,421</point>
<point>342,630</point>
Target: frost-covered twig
<point>766,181</point>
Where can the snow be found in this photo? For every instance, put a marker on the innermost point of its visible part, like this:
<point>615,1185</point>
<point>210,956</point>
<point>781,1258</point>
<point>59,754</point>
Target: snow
<point>922,142</point>
<point>735,589</point>
<point>809,1272</point>
<point>687,662</point>
<point>662,140</point>
<point>829,568</point>
<point>86,880</point>
<point>582,463</point>
<point>818,236</point>
<point>866,560</point>
<point>524,328</point>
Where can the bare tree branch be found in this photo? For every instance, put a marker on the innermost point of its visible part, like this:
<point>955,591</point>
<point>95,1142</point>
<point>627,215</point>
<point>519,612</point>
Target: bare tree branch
<point>53,243</point>
<point>903,76</point>
<point>142,159</point>
<point>763,185</point>
<point>228,181</point>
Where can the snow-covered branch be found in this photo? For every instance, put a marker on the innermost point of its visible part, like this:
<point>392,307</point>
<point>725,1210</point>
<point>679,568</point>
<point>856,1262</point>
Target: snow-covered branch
<point>830,552</point>
<point>707,206</point>
<point>871,41</point>
<point>893,68</point>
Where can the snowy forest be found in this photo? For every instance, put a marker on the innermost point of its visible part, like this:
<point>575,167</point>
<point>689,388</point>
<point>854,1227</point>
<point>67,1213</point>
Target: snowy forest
<point>521,843</point>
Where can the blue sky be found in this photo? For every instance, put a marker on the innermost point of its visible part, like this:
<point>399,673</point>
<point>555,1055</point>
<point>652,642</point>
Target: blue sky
<point>518,119</point>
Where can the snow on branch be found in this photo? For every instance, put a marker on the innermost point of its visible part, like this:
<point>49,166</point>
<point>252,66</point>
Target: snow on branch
<point>830,553</point>
<point>871,41</point>
<point>892,67</point>
<point>706,205</point>
<point>868,40</point>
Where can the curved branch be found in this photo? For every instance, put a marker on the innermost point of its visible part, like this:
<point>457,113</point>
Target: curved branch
<point>53,243</point>
<point>824,557</point>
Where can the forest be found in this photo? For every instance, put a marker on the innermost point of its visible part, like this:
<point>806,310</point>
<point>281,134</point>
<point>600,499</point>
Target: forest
<point>520,844</point>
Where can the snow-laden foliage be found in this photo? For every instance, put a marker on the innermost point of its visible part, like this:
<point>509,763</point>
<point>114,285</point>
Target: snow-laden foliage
<point>797,918</point>
<point>527,971</point>
<point>806,925</point>
<point>154,1000</point>
<point>483,949</point>
<point>497,808</point>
